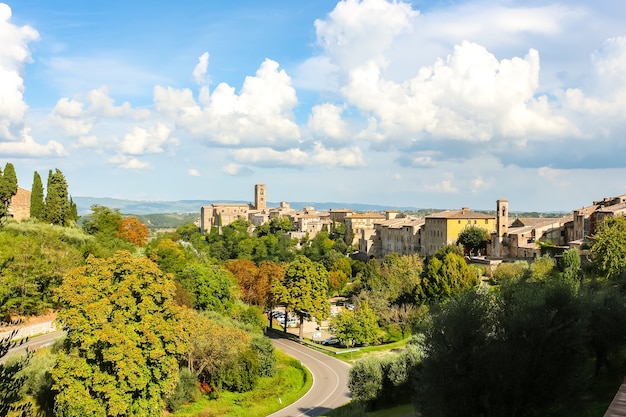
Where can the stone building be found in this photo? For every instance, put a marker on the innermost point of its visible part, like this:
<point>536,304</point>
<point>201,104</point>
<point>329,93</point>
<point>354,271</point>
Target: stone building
<point>397,233</point>
<point>19,206</point>
<point>358,224</point>
<point>223,214</point>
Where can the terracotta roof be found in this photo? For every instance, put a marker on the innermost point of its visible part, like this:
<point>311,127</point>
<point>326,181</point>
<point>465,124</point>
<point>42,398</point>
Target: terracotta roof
<point>366,216</point>
<point>460,214</point>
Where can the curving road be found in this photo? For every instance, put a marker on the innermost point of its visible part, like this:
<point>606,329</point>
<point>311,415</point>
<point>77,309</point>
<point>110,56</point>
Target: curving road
<point>330,380</point>
<point>34,343</point>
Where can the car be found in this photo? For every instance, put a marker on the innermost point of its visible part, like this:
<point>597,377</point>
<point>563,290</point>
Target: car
<point>329,341</point>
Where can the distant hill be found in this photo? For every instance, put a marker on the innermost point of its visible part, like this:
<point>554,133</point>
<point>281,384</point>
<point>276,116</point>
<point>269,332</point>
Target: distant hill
<point>83,204</point>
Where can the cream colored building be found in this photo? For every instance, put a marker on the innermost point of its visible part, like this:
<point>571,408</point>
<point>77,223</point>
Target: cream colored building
<point>443,228</point>
<point>396,234</point>
<point>359,223</point>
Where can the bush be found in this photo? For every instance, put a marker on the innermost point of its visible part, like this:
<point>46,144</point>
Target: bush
<point>186,390</point>
<point>267,358</point>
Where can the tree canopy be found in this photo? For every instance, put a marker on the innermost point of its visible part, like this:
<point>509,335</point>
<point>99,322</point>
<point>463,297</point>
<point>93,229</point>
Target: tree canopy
<point>304,290</point>
<point>120,356</point>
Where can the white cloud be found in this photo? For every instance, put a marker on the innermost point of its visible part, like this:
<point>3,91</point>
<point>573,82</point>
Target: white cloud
<point>260,115</point>
<point>351,157</point>
<point>142,141</point>
<point>325,122</point>
<point>358,31</point>
<point>200,71</point>
<point>237,170</point>
<point>192,172</point>
<point>125,162</point>
<point>445,187</point>
<point>14,53</point>
<point>28,148</point>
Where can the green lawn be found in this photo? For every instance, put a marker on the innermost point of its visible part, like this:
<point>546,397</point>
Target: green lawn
<point>291,380</point>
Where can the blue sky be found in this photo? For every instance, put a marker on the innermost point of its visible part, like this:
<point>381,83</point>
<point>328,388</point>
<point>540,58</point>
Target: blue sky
<point>442,104</point>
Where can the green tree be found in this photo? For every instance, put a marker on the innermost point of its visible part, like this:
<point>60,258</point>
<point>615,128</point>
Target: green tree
<point>304,290</point>
<point>356,327</point>
<point>120,356</point>
<point>8,188</point>
<point>57,206</point>
<point>36,198</point>
<point>473,238</point>
<point>447,274</point>
<point>608,251</point>
<point>518,352</point>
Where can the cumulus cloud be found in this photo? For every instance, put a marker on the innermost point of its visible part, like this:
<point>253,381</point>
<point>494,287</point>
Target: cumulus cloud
<point>192,172</point>
<point>237,170</point>
<point>325,122</point>
<point>125,162</point>
<point>351,157</point>
<point>356,32</point>
<point>200,71</point>
<point>142,141</point>
<point>260,115</point>
<point>14,53</point>
<point>26,147</point>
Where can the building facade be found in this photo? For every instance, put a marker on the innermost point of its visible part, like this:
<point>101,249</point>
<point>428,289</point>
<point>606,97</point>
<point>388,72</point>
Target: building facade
<point>443,228</point>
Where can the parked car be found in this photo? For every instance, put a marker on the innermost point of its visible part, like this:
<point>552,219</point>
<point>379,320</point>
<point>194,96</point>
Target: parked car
<point>329,341</point>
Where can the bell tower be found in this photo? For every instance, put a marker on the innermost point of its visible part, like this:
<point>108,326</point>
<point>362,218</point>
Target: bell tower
<point>260,197</point>
<point>502,217</point>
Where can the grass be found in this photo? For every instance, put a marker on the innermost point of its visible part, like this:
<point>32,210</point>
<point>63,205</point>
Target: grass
<point>292,381</point>
<point>357,410</point>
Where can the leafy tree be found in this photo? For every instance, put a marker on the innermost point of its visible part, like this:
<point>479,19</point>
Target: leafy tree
<point>132,230</point>
<point>31,266</point>
<point>356,327</point>
<point>57,206</point>
<point>608,251</point>
<point>570,264</point>
<point>120,356</point>
<point>103,221</point>
<point>8,188</point>
<point>10,379</point>
<point>403,277</point>
<point>447,274</point>
<point>518,352</point>
<point>365,379</point>
<point>542,269</point>
<point>510,273</point>
<point>211,286</point>
<point>212,347</point>
<point>304,289</point>
<point>36,198</point>
<point>473,238</point>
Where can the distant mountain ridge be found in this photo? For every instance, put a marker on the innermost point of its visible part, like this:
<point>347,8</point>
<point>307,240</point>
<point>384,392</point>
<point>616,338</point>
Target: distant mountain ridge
<point>83,204</point>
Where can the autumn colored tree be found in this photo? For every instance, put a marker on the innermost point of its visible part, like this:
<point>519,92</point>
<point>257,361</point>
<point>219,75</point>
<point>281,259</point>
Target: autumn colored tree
<point>245,272</point>
<point>36,198</point>
<point>134,231</point>
<point>304,290</point>
<point>124,340</point>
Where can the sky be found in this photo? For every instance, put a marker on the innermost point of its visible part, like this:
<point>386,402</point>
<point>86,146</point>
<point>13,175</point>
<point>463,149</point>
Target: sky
<point>428,104</point>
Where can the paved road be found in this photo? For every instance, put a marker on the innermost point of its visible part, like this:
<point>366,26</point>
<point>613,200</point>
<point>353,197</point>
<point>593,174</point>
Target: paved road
<point>35,343</point>
<point>330,381</point>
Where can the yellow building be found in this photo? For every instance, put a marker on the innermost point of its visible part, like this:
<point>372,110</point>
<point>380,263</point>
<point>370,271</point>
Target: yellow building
<point>443,228</point>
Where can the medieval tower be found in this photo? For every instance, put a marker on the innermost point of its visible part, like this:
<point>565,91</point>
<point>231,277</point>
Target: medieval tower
<point>502,224</point>
<point>260,197</point>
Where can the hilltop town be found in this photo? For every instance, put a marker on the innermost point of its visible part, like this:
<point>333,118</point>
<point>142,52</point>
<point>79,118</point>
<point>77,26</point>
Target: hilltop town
<point>378,234</point>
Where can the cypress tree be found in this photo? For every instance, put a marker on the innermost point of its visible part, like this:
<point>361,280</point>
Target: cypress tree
<point>8,188</point>
<point>57,202</point>
<point>36,198</point>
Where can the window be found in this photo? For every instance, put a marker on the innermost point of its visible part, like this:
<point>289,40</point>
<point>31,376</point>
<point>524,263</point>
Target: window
<point>486,221</point>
